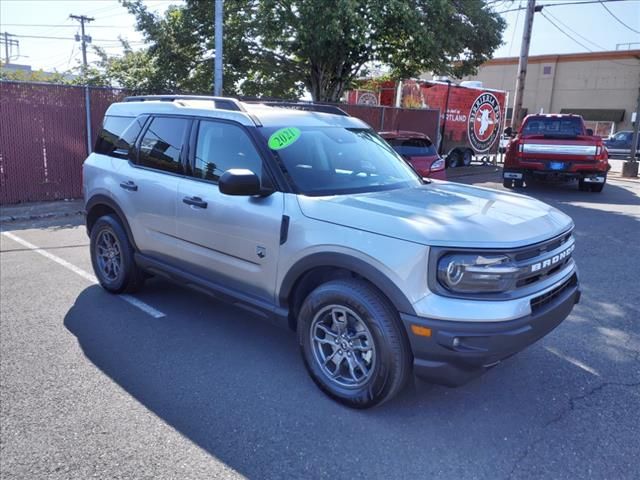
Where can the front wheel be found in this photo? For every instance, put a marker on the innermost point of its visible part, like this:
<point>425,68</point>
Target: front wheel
<point>353,344</point>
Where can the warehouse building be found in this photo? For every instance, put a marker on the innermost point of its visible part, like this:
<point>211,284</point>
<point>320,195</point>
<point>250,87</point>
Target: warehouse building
<point>603,87</point>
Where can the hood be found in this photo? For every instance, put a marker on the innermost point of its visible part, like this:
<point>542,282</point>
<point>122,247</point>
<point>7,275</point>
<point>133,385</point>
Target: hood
<point>443,214</point>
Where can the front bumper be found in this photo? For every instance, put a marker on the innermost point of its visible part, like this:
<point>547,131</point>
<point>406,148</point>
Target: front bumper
<point>457,352</point>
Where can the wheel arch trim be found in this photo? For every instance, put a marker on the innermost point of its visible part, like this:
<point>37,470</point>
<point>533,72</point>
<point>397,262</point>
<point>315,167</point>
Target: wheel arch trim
<point>346,262</point>
<point>100,199</point>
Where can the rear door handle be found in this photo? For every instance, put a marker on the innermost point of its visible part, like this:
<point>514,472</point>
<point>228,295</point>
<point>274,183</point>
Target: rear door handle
<point>195,202</point>
<point>129,185</point>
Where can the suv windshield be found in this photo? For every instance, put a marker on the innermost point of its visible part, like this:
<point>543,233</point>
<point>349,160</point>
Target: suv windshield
<point>553,127</point>
<point>413,147</point>
<point>338,160</point>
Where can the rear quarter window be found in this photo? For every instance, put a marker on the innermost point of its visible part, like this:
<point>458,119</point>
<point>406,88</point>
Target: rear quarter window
<point>118,135</point>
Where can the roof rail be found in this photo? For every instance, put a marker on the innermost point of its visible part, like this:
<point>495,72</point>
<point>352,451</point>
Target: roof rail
<point>307,106</point>
<point>221,103</point>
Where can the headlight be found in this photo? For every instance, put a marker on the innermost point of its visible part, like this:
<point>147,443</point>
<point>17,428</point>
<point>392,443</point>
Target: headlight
<point>437,165</point>
<point>476,273</point>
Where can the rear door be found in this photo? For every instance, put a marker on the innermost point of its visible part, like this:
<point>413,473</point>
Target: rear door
<point>147,186</point>
<point>230,240</point>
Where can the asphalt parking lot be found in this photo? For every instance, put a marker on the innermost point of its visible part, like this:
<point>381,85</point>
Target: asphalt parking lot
<point>173,384</point>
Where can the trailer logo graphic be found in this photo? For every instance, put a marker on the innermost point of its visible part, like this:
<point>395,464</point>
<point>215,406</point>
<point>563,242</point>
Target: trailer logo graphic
<point>484,122</point>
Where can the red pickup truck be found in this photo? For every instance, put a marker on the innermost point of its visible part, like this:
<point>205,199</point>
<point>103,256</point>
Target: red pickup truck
<point>556,147</point>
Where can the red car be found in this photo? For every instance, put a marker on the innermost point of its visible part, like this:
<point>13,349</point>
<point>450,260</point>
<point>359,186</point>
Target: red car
<point>419,151</point>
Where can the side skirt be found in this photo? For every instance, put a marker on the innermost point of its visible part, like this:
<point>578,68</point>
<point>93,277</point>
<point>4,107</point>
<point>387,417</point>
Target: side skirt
<point>220,292</point>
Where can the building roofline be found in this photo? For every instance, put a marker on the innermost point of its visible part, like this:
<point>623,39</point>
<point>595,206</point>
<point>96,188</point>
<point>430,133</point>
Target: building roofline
<point>569,57</point>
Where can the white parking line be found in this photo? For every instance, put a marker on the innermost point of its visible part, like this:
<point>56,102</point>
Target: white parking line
<point>573,361</point>
<point>148,309</point>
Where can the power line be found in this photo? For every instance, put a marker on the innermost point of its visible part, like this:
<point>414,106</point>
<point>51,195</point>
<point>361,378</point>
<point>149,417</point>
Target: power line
<point>515,27</point>
<point>45,37</point>
<point>548,5</point>
<point>574,32</point>
<point>580,43</point>
<point>620,21</point>
<point>55,25</point>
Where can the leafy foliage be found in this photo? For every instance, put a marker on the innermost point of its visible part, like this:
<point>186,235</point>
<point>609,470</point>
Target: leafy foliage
<point>276,48</point>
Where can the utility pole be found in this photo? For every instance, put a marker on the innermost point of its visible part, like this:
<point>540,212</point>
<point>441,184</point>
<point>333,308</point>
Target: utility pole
<point>87,96</point>
<point>85,38</point>
<point>522,63</point>
<point>8,44</point>
<point>217,69</point>
<point>630,167</point>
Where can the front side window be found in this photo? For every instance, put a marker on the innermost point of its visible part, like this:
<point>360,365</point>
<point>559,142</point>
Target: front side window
<point>223,146</point>
<point>338,160</point>
<point>161,145</point>
<point>413,147</point>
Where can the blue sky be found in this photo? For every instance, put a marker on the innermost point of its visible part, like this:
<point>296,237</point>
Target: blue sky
<point>594,27</point>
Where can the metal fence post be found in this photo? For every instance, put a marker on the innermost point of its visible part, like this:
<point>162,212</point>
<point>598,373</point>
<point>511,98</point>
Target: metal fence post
<point>87,108</point>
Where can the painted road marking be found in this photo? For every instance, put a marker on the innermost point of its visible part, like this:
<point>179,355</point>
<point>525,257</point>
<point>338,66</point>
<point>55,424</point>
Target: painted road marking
<point>148,309</point>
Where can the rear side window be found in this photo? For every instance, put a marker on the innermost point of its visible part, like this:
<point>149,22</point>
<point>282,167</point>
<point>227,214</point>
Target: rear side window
<point>118,135</point>
<point>413,147</point>
<point>161,144</point>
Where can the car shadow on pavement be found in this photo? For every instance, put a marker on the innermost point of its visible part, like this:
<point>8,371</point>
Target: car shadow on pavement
<point>235,386</point>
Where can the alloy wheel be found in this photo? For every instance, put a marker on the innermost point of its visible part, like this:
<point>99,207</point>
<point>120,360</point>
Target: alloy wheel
<point>343,346</point>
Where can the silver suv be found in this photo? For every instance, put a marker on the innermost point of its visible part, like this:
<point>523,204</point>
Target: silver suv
<point>311,218</point>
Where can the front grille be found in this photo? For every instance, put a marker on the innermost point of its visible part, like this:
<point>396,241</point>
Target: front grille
<point>541,248</point>
<point>538,302</point>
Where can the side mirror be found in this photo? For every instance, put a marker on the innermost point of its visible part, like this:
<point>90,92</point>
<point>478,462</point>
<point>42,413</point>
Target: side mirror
<point>508,131</point>
<point>239,181</point>
<point>590,132</point>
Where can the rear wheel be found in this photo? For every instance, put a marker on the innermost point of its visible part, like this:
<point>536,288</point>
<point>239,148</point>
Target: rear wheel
<point>353,344</point>
<point>454,159</point>
<point>518,183</point>
<point>112,257</point>
<point>590,187</point>
<point>507,183</point>
<point>467,157</point>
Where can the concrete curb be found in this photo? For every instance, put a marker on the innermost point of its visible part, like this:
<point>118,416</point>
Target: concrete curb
<point>39,216</point>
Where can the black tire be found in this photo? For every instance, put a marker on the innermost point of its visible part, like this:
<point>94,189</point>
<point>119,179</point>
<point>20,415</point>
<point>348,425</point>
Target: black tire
<point>597,187</point>
<point>583,186</point>
<point>467,157</point>
<point>127,277</point>
<point>507,183</point>
<point>389,354</point>
<point>454,159</point>
<point>518,183</point>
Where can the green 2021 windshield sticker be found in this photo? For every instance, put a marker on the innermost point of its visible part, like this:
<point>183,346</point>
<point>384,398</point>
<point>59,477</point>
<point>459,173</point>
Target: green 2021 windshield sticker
<point>283,138</point>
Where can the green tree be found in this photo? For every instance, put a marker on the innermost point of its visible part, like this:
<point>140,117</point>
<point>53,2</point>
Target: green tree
<point>330,42</point>
<point>32,76</point>
<point>279,47</point>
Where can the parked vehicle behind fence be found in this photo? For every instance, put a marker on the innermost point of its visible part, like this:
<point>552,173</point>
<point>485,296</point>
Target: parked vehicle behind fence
<point>619,144</point>
<point>311,219</point>
<point>418,149</point>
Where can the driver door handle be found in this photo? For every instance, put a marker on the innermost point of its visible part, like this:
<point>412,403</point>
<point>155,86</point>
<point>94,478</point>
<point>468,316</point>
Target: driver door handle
<point>195,202</point>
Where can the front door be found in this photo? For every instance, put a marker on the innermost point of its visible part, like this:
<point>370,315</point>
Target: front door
<point>231,240</point>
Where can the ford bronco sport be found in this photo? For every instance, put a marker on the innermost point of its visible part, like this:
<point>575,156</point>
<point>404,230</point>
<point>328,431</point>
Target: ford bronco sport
<point>313,219</point>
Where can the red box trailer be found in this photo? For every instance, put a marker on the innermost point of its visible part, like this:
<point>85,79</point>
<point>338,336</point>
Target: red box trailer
<point>472,121</point>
